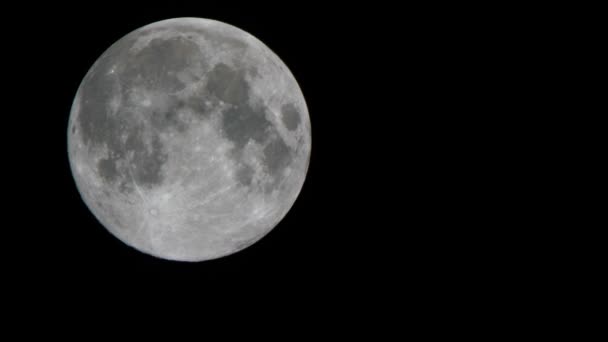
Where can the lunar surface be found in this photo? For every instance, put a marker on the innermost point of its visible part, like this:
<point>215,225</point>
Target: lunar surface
<point>189,139</point>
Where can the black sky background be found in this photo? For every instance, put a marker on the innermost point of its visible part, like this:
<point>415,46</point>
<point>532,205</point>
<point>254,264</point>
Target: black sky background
<point>330,230</point>
<point>394,96</point>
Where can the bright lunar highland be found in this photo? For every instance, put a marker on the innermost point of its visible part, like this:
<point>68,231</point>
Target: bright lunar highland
<point>189,139</point>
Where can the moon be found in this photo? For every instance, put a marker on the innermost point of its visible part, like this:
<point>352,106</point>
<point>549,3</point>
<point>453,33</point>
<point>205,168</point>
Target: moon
<point>189,139</point>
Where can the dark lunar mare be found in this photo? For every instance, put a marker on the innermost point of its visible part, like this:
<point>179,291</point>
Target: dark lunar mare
<point>245,119</point>
<point>98,128</point>
<point>141,157</point>
<point>155,68</point>
<point>291,116</point>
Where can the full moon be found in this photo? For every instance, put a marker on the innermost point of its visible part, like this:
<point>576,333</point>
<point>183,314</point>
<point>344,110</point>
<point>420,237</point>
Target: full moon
<point>189,139</point>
